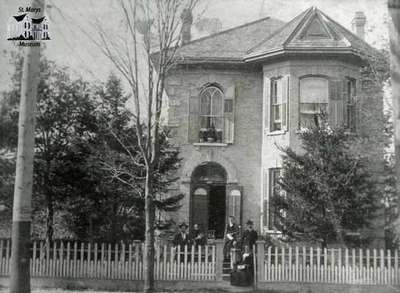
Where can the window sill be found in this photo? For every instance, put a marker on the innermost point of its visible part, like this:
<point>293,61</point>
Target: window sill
<point>210,144</point>
<point>277,132</point>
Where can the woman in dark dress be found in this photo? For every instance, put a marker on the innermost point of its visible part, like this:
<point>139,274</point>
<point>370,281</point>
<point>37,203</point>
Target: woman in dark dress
<point>243,274</point>
<point>231,234</point>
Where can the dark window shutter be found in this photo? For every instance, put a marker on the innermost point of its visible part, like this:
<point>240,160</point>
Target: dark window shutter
<point>234,195</point>
<point>265,198</point>
<point>200,205</point>
<point>335,107</point>
<point>194,121</point>
<point>285,102</point>
<point>229,115</point>
<point>345,102</point>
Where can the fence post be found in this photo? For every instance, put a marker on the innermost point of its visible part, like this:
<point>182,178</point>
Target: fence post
<point>219,245</point>
<point>260,268</point>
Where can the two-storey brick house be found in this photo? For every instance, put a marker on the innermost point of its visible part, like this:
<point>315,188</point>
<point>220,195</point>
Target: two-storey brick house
<point>235,95</point>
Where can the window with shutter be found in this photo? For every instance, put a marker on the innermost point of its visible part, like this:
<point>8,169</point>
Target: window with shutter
<point>211,116</point>
<point>229,115</point>
<point>314,97</point>
<point>278,89</point>
<point>276,113</point>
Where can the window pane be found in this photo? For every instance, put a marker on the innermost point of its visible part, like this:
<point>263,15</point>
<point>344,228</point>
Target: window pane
<point>205,103</point>
<point>314,90</point>
<point>313,108</point>
<point>273,91</point>
<point>277,113</point>
<point>205,122</point>
<point>216,102</point>
<point>279,91</point>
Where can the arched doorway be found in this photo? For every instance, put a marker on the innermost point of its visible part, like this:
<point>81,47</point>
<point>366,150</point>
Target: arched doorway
<point>208,198</point>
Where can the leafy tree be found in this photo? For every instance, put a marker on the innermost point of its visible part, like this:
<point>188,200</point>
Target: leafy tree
<point>80,127</point>
<point>98,206</point>
<point>328,188</point>
<point>64,112</point>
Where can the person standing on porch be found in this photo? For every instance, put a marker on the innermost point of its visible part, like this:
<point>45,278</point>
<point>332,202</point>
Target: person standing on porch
<point>249,236</point>
<point>182,237</point>
<point>197,236</point>
<point>231,234</point>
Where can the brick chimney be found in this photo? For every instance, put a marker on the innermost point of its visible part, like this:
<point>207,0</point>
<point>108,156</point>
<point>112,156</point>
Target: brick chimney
<point>187,20</point>
<point>358,24</point>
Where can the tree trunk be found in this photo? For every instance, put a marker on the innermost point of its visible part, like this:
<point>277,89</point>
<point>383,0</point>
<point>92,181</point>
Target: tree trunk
<point>22,206</point>
<point>149,234</point>
<point>49,217</point>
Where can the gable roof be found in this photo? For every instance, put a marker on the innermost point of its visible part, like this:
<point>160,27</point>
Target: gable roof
<point>310,31</point>
<point>301,35</point>
<point>231,44</point>
<point>38,20</point>
<point>19,17</point>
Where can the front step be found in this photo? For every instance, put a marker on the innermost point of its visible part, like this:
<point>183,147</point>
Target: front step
<point>227,287</point>
<point>226,270</point>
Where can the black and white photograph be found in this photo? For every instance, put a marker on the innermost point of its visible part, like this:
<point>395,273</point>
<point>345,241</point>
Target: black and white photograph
<point>200,146</point>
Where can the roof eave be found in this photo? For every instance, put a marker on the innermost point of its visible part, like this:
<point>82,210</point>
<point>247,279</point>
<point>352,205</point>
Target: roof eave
<point>315,50</point>
<point>209,60</point>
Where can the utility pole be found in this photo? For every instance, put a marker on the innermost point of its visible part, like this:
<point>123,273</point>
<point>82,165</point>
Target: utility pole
<point>394,33</point>
<point>21,225</point>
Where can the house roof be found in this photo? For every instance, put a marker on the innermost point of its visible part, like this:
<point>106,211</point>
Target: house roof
<point>19,17</point>
<point>230,44</point>
<point>310,31</point>
<point>37,20</point>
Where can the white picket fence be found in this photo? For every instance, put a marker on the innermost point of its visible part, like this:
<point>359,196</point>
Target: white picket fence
<point>338,266</point>
<point>65,259</point>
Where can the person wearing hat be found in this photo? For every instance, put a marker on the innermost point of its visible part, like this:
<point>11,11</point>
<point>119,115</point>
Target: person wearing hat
<point>231,235</point>
<point>197,236</point>
<point>182,237</point>
<point>249,236</point>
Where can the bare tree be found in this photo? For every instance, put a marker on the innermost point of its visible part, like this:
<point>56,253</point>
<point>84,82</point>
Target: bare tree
<point>143,56</point>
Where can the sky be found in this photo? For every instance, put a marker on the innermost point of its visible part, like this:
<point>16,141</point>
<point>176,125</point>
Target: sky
<point>69,46</point>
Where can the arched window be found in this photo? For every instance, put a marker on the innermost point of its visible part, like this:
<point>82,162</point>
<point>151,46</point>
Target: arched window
<point>211,115</point>
<point>314,97</point>
<point>211,108</point>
